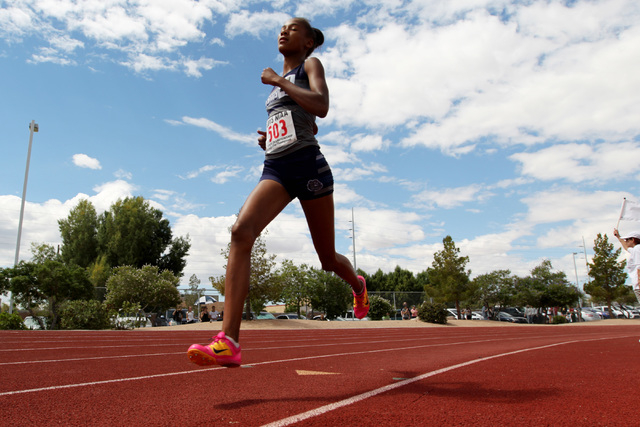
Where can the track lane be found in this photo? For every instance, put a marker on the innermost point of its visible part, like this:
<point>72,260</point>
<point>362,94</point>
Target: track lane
<point>269,388</point>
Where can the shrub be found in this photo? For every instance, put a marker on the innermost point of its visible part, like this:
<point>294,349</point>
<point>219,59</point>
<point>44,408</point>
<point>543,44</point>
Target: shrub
<point>558,319</point>
<point>84,315</point>
<point>433,313</point>
<point>379,307</point>
<point>11,321</point>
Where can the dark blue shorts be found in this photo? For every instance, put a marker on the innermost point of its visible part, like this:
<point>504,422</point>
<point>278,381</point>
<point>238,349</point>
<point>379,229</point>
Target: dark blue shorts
<point>305,173</point>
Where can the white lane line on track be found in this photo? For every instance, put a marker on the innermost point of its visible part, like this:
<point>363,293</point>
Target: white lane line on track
<point>78,359</point>
<point>126,356</point>
<point>169,374</point>
<point>336,405</point>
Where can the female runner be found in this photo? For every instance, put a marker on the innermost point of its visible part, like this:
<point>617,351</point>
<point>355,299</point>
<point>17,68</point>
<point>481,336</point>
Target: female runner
<point>293,167</point>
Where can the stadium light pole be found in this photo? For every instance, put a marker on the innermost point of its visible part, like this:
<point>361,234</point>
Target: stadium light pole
<point>33,127</point>
<point>575,267</point>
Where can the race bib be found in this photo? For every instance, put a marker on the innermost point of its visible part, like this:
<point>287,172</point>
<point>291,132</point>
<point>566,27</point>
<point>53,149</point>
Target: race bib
<point>281,132</point>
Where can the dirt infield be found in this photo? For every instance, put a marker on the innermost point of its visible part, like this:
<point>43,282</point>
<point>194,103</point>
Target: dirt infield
<point>413,323</point>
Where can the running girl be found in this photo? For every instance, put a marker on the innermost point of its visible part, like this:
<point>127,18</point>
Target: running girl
<point>294,167</point>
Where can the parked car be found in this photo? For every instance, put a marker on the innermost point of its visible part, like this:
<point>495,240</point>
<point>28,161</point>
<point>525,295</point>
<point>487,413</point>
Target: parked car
<point>290,316</point>
<point>131,321</point>
<point>514,311</point>
<point>502,316</point>
<point>617,314</point>
<point>589,315</point>
<point>634,313</point>
<point>265,315</point>
<point>160,320</point>
<point>32,323</point>
<point>169,316</point>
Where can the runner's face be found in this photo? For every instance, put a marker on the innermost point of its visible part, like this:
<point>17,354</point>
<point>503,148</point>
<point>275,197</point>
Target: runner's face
<point>293,38</point>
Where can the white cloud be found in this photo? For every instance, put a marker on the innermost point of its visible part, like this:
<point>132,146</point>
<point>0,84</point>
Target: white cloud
<point>451,197</point>
<point>123,174</point>
<point>84,161</point>
<point>227,174</point>
<point>196,173</point>
<point>256,24</point>
<point>223,131</point>
<point>483,78</point>
<point>582,162</point>
<point>193,66</point>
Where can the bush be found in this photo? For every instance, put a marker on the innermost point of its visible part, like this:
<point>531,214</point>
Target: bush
<point>433,313</point>
<point>84,315</point>
<point>557,320</point>
<point>379,307</point>
<point>11,321</point>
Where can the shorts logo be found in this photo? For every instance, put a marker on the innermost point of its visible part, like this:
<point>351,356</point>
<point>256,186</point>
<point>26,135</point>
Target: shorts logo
<point>314,185</point>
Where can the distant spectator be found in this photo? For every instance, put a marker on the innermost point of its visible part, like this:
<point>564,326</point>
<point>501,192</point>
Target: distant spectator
<point>529,313</point>
<point>190,317</point>
<point>631,244</point>
<point>177,316</point>
<point>214,315</point>
<point>468,314</point>
<point>204,314</point>
<point>414,312</point>
<point>406,313</point>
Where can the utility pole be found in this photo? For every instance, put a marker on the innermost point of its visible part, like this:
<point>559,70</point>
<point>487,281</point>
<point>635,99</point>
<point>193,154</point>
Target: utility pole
<point>584,246</point>
<point>577,287</point>
<point>33,127</point>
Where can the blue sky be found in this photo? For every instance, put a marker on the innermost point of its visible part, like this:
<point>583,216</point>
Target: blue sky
<point>511,126</point>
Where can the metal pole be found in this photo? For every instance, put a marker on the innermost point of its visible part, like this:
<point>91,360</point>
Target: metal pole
<point>584,246</point>
<point>33,127</point>
<point>577,287</point>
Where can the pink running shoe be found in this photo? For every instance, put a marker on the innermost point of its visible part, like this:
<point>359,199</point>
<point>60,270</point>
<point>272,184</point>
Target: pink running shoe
<point>361,302</point>
<point>221,352</point>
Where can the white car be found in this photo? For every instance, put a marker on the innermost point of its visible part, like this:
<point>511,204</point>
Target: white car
<point>617,314</point>
<point>31,323</point>
<point>589,315</point>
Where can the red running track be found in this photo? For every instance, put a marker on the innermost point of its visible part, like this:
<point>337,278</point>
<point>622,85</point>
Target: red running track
<point>525,376</point>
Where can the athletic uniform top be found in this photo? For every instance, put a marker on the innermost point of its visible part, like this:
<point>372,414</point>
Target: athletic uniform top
<point>284,112</point>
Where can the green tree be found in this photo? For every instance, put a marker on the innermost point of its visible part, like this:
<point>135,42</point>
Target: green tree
<point>548,288</point>
<point>47,283</point>
<point>192,295</point>
<point>494,288</point>
<point>607,273</point>
<point>328,293</point>
<point>263,286</point>
<point>99,272</point>
<point>448,277</point>
<point>79,232</point>
<point>133,233</point>
<point>379,308</point>
<point>154,290</point>
<point>376,282</point>
<point>294,282</point>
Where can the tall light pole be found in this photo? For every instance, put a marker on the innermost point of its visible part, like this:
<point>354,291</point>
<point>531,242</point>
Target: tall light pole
<point>33,127</point>
<point>577,287</point>
<point>586,260</point>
